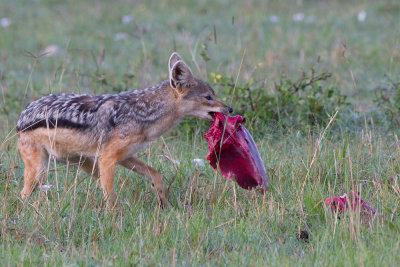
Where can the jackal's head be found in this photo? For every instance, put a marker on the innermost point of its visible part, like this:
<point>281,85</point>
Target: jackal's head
<point>196,98</point>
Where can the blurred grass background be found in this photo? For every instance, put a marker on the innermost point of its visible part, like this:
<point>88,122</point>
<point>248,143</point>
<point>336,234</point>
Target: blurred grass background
<point>138,37</point>
<point>109,46</point>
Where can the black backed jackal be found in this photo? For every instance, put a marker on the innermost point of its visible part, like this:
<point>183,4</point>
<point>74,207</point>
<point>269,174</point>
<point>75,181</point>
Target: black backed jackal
<point>101,131</point>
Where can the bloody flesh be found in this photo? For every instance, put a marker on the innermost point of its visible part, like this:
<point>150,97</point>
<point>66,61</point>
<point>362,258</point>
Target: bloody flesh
<point>352,202</point>
<point>234,153</point>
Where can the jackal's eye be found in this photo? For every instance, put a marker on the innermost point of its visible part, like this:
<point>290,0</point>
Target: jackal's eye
<point>209,97</point>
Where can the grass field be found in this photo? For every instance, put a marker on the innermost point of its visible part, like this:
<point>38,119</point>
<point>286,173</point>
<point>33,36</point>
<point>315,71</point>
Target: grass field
<point>109,46</point>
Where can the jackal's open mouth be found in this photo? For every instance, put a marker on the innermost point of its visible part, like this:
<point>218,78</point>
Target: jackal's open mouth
<point>212,114</point>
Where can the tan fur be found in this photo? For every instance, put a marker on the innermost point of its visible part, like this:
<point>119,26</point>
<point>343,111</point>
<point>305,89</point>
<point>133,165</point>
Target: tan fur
<point>185,96</point>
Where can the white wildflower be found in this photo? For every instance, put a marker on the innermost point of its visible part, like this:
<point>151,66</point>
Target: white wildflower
<point>199,162</point>
<point>362,15</point>
<point>5,22</point>
<point>274,19</point>
<point>298,17</point>
<point>127,19</point>
<point>177,162</point>
<point>46,187</point>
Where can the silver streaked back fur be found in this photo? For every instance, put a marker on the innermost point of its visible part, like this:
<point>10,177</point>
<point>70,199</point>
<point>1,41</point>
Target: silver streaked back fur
<point>97,115</point>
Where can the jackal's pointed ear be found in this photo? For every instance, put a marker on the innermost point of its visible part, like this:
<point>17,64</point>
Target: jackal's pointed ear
<point>175,57</point>
<point>180,75</point>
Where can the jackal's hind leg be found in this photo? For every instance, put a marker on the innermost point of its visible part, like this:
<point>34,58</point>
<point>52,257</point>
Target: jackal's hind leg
<point>87,164</point>
<point>34,157</point>
<point>150,173</point>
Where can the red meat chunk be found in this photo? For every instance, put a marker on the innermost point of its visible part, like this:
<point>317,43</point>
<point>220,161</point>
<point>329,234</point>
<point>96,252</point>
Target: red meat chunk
<point>351,202</point>
<point>234,153</point>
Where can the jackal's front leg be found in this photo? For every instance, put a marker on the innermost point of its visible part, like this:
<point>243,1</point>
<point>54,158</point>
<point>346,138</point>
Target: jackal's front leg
<point>107,165</point>
<point>150,173</point>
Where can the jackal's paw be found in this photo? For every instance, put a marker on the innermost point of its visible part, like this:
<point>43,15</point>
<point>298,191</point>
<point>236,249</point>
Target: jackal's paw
<point>163,201</point>
<point>25,193</point>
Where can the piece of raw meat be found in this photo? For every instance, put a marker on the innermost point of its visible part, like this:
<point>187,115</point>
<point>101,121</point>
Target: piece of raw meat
<point>234,153</point>
<point>352,202</point>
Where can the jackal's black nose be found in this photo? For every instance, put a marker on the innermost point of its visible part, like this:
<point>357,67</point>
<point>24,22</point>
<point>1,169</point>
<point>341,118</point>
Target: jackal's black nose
<point>230,110</point>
